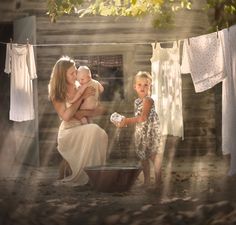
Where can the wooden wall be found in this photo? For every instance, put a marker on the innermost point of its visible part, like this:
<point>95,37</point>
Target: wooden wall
<point>201,130</point>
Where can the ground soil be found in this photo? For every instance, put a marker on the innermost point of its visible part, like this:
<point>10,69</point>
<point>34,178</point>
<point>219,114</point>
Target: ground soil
<point>195,190</point>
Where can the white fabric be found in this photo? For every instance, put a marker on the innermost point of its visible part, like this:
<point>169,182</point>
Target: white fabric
<point>81,146</point>
<point>203,58</point>
<point>229,97</point>
<point>167,88</point>
<point>20,64</point>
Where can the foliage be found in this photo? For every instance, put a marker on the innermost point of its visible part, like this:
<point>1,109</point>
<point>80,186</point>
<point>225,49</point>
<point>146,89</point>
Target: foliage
<point>225,12</point>
<point>162,10</point>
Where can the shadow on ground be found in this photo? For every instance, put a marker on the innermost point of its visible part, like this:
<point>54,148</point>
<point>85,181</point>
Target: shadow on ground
<point>195,190</point>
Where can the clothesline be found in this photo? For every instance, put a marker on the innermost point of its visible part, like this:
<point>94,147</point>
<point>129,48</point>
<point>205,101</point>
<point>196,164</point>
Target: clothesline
<point>96,43</point>
<point>106,43</point>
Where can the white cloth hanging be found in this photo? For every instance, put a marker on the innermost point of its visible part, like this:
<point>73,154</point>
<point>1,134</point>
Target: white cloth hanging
<point>228,38</point>
<point>203,58</point>
<point>20,64</point>
<point>167,88</point>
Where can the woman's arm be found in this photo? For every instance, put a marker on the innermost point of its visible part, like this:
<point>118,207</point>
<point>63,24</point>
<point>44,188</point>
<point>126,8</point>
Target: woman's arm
<point>80,91</point>
<point>90,113</point>
<point>65,113</point>
<point>77,96</point>
<point>147,104</point>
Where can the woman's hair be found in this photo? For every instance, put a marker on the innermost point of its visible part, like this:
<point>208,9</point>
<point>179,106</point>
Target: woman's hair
<point>143,74</point>
<point>57,87</point>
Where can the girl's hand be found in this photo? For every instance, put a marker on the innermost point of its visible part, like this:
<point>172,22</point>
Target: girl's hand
<point>121,124</point>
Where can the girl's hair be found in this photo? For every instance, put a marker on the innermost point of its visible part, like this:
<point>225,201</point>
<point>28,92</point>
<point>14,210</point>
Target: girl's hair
<point>143,74</point>
<point>57,87</point>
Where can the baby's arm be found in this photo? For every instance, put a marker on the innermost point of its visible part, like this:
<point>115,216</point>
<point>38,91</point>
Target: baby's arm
<point>100,88</point>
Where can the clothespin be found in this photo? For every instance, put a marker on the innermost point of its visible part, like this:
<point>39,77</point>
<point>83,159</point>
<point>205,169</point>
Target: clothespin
<point>217,31</point>
<point>188,41</point>
<point>227,23</point>
<point>27,41</point>
<point>155,45</point>
<point>11,43</point>
<point>177,42</point>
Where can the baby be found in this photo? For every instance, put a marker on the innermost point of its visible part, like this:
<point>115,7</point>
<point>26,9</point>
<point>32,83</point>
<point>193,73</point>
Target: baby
<point>85,80</point>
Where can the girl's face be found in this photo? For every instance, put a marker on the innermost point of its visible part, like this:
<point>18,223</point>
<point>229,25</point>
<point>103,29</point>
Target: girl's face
<point>142,87</point>
<point>71,75</point>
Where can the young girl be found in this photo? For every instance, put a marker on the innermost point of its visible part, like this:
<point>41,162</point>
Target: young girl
<point>147,129</point>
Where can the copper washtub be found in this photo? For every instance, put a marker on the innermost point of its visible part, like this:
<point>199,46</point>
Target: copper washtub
<point>110,178</point>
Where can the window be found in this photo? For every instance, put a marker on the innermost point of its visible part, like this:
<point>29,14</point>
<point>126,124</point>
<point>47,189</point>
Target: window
<point>108,70</point>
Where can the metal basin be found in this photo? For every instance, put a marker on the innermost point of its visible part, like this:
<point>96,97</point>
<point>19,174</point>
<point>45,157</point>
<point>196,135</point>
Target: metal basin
<point>112,178</point>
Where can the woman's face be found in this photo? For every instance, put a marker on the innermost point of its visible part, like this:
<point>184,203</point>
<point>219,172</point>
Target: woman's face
<point>71,75</point>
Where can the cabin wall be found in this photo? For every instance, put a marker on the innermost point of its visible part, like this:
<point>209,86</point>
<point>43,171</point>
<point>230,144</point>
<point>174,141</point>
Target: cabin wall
<point>96,35</point>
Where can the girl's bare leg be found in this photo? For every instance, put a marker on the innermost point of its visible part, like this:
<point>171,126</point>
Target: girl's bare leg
<point>157,162</point>
<point>146,171</point>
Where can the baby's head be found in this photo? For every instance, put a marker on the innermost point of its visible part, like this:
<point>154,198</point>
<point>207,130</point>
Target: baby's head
<point>84,75</point>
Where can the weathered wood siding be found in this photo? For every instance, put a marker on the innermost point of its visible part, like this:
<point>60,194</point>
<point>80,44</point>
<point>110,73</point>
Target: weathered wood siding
<point>199,110</point>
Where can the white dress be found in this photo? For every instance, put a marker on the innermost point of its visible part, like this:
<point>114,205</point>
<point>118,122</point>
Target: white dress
<point>81,146</point>
<point>228,38</point>
<point>20,64</point>
<point>167,88</point>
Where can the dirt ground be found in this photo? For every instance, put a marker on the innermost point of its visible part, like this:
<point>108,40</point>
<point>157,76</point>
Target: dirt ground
<point>195,190</point>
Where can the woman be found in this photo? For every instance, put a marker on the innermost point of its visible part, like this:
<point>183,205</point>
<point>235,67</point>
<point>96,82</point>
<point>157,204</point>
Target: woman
<point>80,145</point>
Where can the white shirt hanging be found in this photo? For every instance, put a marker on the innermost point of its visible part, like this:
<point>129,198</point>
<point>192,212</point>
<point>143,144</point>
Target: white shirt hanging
<point>20,64</point>
<point>167,88</point>
<point>203,58</point>
<point>228,38</point>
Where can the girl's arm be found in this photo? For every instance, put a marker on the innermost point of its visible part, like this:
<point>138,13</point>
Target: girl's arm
<point>147,104</point>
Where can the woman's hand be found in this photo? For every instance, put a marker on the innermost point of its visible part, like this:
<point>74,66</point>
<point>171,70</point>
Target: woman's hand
<point>90,113</point>
<point>89,91</point>
<point>81,113</point>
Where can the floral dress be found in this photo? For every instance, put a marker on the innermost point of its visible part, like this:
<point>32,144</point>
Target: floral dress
<point>147,134</point>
